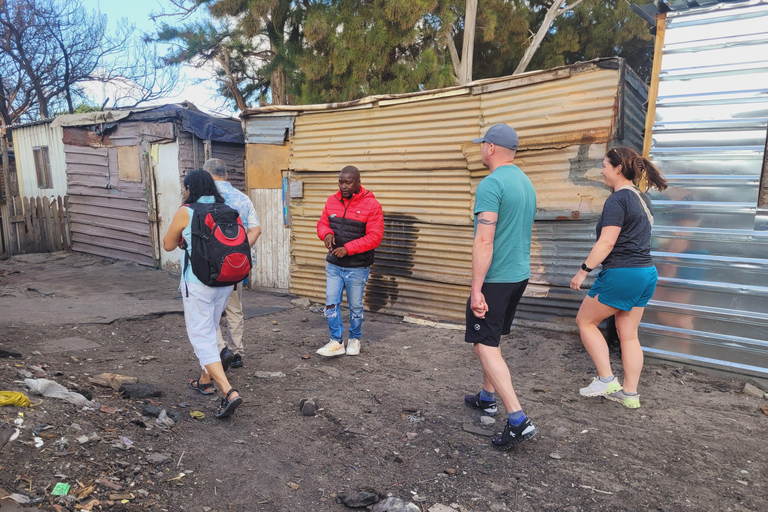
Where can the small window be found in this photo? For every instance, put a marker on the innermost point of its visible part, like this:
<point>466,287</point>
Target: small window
<point>43,167</point>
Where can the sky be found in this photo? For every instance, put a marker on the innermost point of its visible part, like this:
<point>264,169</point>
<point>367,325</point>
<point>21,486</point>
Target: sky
<point>204,95</point>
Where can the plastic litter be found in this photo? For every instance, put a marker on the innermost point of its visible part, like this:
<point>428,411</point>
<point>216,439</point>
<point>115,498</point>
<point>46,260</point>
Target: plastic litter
<point>20,498</point>
<point>198,415</point>
<point>61,489</point>
<point>14,398</point>
<point>53,389</point>
<point>163,421</point>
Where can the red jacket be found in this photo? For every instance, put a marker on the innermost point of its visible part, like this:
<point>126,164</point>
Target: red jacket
<point>356,223</point>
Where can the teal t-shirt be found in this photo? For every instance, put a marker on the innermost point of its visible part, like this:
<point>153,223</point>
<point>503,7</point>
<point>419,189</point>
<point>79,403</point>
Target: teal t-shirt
<point>508,192</point>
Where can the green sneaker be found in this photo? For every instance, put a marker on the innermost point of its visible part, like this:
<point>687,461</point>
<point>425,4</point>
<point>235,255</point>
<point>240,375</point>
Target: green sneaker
<point>629,401</point>
<point>600,388</point>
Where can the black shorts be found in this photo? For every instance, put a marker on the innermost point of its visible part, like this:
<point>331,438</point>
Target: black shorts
<point>502,300</point>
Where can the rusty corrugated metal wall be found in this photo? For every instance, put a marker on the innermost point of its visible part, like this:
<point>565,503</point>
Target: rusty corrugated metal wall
<point>415,154</point>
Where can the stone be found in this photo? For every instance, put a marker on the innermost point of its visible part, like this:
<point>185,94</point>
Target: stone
<point>439,507</point>
<point>451,471</point>
<point>309,406</point>
<point>138,391</point>
<point>357,499</point>
<point>487,420</point>
<point>395,505</point>
<point>301,303</point>
<point>157,458</point>
<point>328,370</point>
<point>754,391</point>
<point>411,435</point>
<point>472,429</point>
<point>269,375</point>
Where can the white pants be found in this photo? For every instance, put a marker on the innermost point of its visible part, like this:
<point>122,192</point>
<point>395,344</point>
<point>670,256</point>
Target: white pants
<point>235,321</point>
<point>202,313</point>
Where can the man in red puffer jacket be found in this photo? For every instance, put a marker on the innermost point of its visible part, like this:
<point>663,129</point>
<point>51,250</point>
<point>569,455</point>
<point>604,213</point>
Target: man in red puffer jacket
<point>351,226</point>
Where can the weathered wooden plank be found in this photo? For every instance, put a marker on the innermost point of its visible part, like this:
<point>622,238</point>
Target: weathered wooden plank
<point>68,221</point>
<point>17,225</point>
<point>56,224</point>
<point>30,232</point>
<point>47,225</point>
<point>40,225</point>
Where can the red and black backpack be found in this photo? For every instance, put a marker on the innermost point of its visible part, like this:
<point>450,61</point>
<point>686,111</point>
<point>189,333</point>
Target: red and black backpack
<point>221,255</point>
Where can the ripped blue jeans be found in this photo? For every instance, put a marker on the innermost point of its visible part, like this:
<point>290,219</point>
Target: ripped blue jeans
<point>337,279</point>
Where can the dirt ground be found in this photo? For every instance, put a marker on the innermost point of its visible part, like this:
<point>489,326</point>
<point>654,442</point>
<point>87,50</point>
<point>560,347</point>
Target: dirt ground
<point>392,419</point>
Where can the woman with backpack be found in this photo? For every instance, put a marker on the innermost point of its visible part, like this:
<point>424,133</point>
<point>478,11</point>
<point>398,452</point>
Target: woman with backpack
<point>203,305</point>
<point>628,278</point>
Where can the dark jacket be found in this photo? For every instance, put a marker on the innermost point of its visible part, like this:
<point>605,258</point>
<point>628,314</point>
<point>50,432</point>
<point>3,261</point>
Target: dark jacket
<point>357,224</point>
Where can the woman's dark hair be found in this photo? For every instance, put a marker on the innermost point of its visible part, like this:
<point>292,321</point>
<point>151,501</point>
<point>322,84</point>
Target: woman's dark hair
<point>633,167</point>
<point>200,183</point>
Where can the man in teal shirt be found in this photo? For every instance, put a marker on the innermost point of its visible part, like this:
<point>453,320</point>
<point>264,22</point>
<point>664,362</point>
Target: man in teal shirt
<point>505,207</point>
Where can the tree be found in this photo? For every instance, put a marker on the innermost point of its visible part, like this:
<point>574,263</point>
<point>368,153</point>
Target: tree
<point>254,48</point>
<point>356,48</point>
<point>558,8</point>
<point>54,47</point>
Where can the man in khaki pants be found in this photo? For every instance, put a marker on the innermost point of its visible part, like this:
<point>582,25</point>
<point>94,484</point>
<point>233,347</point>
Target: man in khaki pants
<point>232,355</point>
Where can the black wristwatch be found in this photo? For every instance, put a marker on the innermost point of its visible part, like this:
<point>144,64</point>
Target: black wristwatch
<point>585,268</point>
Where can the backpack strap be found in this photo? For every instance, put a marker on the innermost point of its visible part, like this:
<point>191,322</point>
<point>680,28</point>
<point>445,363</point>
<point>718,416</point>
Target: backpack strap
<point>642,202</point>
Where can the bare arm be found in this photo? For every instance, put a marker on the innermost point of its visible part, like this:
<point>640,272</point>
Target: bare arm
<point>172,238</point>
<point>599,252</point>
<point>253,235</point>
<point>482,254</point>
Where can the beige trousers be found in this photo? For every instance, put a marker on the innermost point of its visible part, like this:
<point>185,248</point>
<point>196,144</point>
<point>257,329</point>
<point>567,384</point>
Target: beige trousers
<point>235,322</point>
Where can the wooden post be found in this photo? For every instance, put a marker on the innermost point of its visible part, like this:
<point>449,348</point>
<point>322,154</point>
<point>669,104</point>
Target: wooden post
<point>653,90</point>
<point>6,167</point>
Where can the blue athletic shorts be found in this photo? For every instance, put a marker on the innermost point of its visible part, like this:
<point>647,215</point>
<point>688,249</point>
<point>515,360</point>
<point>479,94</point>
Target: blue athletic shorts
<point>625,288</point>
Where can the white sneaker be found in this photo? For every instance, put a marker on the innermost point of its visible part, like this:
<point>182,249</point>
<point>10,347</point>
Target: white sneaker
<point>600,388</point>
<point>332,349</point>
<point>353,346</point>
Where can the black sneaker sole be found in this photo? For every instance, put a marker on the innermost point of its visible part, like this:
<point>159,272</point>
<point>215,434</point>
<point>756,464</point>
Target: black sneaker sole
<point>236,364</point>
<point>480,408</point>
<point>515,441</point>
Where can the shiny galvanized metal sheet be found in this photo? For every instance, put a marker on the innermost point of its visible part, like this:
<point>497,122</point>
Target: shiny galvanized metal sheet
<point>25,139</point>
<point>709,138</point>
<point>268,129</point>
<point>108,216</point>
<point>418,159</point>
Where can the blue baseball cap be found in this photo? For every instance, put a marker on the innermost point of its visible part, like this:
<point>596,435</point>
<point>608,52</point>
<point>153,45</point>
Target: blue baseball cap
<point>500,134</point>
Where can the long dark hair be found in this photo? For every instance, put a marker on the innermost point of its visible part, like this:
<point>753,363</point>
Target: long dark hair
<point>199,183</point>
<point>634,167</point>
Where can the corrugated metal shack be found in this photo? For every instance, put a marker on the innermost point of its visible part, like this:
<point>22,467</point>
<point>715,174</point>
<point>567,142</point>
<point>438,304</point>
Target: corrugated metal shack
<point>710,92</point>
<point>416,155</point>
<point>40,166</point>
<point>125,170</point>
